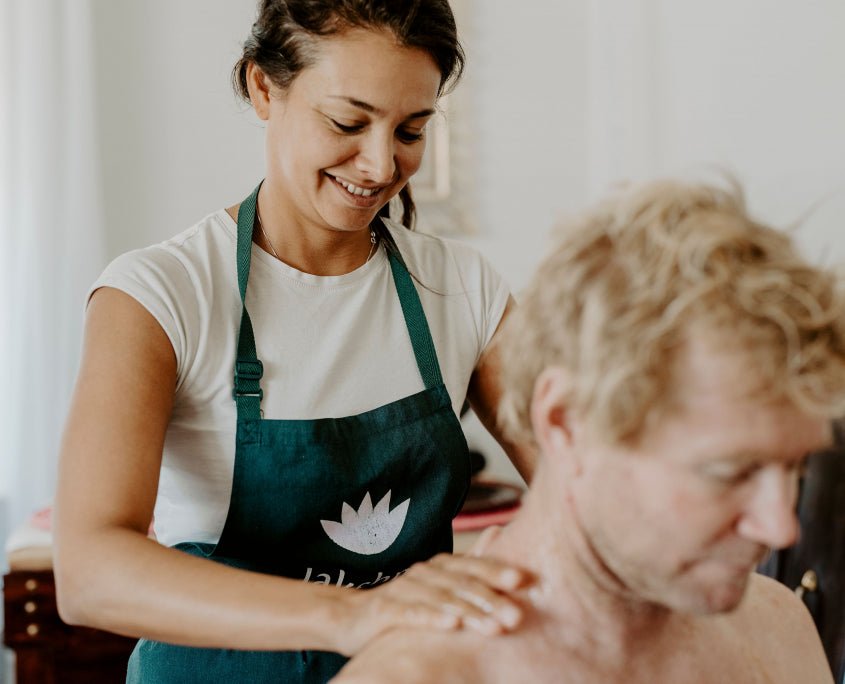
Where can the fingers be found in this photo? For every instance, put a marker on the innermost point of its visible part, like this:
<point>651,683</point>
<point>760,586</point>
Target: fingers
<point>378,610</point>
<point>447,592</point>
<point>477,590</point>
<point>433,609</point>
<point>498,574</point>
<point>425,604</point>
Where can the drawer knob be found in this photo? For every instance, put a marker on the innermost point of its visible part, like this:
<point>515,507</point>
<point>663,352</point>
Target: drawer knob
<point>30,607</point>
<point>32,629</point>
<point>31,584</point>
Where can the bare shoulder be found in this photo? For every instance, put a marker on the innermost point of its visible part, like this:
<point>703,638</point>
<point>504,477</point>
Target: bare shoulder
<point>768,599</point>
<point>781,631</point>
<point>409,656</point>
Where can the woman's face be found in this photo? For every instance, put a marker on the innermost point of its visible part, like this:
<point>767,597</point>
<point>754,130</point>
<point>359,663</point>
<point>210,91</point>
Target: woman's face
<point>350,131</point>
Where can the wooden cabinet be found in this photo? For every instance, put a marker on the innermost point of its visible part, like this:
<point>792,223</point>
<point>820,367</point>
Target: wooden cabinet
<point>47,650</point>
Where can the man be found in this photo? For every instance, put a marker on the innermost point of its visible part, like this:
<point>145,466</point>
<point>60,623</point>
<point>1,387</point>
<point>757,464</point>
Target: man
<point>674,361</point>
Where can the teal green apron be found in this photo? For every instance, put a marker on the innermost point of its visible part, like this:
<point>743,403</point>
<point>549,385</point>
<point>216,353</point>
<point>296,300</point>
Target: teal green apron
<point>349,501</point>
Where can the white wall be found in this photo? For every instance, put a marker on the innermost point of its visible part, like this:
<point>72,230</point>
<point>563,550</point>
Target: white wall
<point>760,86</point>
<point>528,82</point>
<point>176,144</point>
<point>567,98</point>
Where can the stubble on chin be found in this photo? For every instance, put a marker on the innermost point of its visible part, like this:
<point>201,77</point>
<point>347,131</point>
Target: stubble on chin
<point>722,597</point>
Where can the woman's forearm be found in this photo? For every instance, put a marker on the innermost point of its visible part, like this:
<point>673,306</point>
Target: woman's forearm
<point>120,581</point>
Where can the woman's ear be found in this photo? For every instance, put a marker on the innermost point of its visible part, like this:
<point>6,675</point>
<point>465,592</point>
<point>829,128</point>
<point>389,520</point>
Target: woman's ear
<point>552,419</point>
<point>259,90</point>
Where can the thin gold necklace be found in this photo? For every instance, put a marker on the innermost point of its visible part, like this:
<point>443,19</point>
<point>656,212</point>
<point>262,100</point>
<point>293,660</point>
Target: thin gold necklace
<point>276,254</point>
<point>261,227</point>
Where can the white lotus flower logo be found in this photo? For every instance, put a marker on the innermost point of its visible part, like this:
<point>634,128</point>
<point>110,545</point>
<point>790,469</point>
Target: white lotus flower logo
<point>368,530</point>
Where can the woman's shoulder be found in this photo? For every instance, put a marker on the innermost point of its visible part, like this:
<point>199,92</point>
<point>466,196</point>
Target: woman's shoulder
<point>425,243</point>
<point>453,262</point>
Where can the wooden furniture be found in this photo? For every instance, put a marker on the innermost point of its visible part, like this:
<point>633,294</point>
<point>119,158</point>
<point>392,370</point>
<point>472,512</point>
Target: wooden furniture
<point>47,651</point>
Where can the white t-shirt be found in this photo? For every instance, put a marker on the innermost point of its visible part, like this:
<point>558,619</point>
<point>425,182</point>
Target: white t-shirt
<point>332,346</point>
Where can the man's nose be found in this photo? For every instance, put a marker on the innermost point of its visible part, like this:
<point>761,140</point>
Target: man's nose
<point>769,517</point>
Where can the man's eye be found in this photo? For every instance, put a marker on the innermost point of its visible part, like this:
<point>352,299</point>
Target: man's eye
<point>732,476</point>
<point>739,476</point>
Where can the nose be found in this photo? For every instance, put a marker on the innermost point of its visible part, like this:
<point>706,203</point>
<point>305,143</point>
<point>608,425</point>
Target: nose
<point>376,158</point>
<point>769,517</point>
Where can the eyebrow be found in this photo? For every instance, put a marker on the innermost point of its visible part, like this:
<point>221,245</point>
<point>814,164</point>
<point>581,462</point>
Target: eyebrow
<point>744,458</point>
<point>367,107</point>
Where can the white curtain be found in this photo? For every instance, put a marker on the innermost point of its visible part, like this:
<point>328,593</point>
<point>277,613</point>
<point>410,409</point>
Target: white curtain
<point>51,235</point>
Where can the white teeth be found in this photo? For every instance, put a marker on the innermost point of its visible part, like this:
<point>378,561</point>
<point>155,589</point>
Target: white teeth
<point>355,190</point>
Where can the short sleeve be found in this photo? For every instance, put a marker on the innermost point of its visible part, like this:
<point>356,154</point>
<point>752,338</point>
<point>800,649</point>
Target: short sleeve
<point>158,281</point>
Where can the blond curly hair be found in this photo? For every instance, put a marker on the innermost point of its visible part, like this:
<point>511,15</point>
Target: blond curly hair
<point>615,298</point>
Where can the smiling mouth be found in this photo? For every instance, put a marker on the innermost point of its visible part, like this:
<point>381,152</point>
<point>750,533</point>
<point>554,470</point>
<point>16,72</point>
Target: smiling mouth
<point>356,190</point>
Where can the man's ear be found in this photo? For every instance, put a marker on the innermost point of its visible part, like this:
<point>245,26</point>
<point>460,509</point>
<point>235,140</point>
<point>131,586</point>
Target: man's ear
<point>259,90</point>
<point>554,422</point>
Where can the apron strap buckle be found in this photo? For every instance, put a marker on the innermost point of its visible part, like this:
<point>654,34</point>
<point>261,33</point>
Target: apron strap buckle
<point>247,374</point>
<point>248,370</point>
<point>237,395</point>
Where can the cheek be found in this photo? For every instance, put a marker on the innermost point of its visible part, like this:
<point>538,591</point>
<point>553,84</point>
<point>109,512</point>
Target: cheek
<point>311,149</point>
<point>703,519</point>
<point>656,510</point>
<point>329,153</point>
<point>410,159</point>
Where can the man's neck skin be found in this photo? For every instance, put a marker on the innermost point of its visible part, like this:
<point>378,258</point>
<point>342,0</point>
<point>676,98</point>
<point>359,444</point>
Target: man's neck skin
<point>592,610</point>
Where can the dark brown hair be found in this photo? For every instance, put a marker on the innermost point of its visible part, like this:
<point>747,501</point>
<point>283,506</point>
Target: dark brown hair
<point>282,42</point>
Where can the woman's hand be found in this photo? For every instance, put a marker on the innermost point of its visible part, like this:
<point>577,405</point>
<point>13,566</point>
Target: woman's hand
<point>446,592</point>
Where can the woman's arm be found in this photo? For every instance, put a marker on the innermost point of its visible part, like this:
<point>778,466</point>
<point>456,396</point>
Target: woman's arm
<point>484,393</point>
<point>110,575</point>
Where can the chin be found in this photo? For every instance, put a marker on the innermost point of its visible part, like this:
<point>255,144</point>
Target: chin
<point>721,597</point>
<point>725,602</point>
<point>346,223</point>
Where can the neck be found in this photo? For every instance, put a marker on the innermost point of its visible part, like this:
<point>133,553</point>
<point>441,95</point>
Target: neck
<point>579,598</point>
<point>309,248</point>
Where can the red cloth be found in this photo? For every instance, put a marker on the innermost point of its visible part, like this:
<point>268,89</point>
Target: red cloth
<point>43,520</point>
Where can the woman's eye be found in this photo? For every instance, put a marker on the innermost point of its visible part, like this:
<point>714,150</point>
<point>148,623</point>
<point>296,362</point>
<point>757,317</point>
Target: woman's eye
<point>409,136</point>
<point>354,128</point>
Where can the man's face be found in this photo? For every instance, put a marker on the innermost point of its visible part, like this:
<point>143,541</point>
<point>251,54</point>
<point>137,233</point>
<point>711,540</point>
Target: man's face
<point>682,518</point>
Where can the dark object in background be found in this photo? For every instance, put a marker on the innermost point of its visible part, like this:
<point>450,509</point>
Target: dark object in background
<point>815,566</point>
<point>477,462</point>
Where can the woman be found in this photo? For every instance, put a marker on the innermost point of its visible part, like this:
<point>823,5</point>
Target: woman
<point>304,427</point>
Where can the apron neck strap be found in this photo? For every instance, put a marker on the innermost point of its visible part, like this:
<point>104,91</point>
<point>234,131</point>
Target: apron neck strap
<point>415,319</point>
<point>249,369</point>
